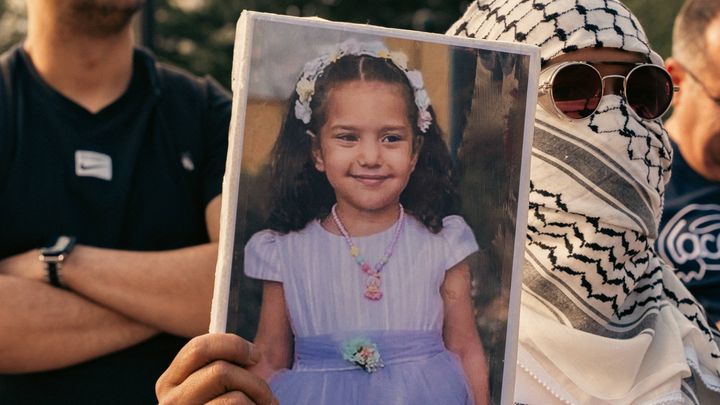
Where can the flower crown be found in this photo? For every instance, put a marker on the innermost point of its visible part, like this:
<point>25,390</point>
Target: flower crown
<point>314,69</point>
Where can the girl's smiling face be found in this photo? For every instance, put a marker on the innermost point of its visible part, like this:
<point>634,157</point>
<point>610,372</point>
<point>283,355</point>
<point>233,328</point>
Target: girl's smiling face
<point>366,145</point>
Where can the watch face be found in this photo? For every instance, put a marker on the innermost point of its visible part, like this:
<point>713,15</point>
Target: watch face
<point>62,245</point>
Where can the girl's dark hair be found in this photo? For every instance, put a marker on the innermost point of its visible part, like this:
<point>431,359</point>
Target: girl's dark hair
<point>301,194</point>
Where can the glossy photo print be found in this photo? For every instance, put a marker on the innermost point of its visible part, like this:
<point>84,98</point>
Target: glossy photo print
<point>374,211</point>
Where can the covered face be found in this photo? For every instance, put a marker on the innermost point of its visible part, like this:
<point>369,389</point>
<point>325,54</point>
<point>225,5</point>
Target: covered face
<point>616,152</point>
<point>593,287</point>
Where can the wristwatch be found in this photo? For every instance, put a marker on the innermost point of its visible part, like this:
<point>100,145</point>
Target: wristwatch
<point>53,256</point>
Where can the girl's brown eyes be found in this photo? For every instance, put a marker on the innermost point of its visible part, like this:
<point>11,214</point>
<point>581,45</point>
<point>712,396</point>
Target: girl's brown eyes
<point>392,138</point>
<point>347,137</point>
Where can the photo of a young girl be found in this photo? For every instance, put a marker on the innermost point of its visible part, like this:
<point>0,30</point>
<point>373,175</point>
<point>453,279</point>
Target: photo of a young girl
<point>366,297</point>
<point>374,209</point>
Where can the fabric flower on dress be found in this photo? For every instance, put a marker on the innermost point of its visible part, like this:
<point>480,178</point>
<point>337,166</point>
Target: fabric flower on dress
<point>364,353</point>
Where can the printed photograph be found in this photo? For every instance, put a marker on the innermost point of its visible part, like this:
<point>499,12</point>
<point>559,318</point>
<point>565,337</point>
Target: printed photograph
<point>374,211</point>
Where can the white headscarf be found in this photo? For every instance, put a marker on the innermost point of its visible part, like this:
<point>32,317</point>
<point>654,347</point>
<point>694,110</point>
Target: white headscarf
<point>603,318</point>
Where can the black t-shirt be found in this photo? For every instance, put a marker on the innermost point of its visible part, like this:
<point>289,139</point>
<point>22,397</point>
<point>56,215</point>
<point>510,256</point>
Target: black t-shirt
<point>136,175</point>
<point>689,235</point>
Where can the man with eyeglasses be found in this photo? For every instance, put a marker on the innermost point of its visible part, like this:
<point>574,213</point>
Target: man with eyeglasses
<point>690,230</point>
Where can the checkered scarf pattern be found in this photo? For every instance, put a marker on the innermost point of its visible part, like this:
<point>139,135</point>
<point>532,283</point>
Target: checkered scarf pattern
<point>558,27</point>
<point>592,282</point>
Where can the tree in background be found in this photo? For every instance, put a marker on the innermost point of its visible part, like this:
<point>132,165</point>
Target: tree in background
<point>198,34</point>
<point>12,22</point>
<point>657,18</point>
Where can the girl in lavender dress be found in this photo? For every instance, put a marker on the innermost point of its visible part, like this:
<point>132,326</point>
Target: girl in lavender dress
<point>366,297</point>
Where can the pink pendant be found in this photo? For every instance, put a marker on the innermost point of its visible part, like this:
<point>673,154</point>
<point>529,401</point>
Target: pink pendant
<point>372,286</point>
<point>372,282</point>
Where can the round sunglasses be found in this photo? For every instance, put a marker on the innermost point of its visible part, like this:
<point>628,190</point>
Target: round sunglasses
<point>574,89</point>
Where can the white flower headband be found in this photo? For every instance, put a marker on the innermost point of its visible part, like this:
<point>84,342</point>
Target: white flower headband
<point>305,87</point>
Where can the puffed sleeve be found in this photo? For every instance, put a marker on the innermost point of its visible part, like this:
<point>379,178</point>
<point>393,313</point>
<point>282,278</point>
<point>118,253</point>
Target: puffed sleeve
<point>262,256</point>
<point>459,238</point>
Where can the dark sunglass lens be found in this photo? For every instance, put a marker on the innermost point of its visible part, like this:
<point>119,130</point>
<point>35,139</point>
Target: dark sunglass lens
<point>649,91</point>
<point>576,90</point>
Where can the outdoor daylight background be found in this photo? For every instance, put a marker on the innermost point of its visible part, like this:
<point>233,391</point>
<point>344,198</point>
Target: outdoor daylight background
<point>198,34</point>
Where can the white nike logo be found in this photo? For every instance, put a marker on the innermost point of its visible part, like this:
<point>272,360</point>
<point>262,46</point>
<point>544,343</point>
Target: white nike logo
<point>93,164</point>
<point>88,167</point>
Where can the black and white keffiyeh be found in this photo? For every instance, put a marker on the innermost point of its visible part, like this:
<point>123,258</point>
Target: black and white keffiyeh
<point>557,27</point>
<point>603,318</point>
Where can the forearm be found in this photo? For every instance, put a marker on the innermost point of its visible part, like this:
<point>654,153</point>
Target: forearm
<point>475,366</point>
<point>274,337</point>
<point>170,290</point>
<point>275,355</point>
<point>43,328</point>
<point>460,331</point>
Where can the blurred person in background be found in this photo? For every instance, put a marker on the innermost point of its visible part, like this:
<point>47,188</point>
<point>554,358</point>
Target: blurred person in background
<point>112,163</point>
<point>690,231</point>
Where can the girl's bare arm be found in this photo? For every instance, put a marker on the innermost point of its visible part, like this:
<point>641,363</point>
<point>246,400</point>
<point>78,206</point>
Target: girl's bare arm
<point>274,336</point>
<point>460,332</point>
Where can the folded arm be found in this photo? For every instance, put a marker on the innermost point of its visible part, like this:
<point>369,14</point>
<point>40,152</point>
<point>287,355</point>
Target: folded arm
<point>169,291</point>
<point>45,328</point>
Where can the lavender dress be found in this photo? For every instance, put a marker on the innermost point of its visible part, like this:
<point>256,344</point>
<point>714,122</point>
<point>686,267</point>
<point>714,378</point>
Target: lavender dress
<point>324,294</point>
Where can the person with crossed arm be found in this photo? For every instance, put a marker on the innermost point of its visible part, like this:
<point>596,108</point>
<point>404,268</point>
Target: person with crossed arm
<point>111,167</point>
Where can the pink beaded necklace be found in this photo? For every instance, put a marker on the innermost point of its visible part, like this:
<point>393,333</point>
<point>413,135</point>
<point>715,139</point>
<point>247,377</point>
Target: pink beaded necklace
<point>373,281</point>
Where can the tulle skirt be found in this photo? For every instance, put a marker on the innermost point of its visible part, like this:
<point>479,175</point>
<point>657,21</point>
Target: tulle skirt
<point>417,369</point>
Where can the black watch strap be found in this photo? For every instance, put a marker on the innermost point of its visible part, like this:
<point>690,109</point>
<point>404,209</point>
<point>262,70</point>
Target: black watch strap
<point>53,257</point>
<point>53,275</point>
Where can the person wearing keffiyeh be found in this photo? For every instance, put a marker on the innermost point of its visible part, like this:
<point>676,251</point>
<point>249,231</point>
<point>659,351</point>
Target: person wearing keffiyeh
<point>603,320</point>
